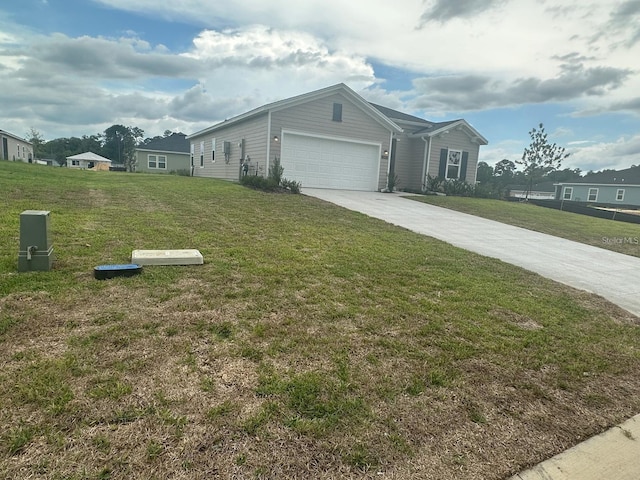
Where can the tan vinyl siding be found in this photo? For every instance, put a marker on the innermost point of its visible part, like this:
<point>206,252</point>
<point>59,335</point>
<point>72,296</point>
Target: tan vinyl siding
<point>254,132</point>
<point>455,140</point>
<point>315,117</point>
<point>409,163</point>
<point>17,150</point>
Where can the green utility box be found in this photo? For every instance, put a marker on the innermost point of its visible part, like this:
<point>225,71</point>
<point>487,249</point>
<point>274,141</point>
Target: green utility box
<point>36,248</point>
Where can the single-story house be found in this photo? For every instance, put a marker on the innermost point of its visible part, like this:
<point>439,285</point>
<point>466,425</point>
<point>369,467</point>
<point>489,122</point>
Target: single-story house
<point>88,160</point>
<point>15,148</point>
<point>333,138</point>
<point>616,188</point>
<point>164,155</point>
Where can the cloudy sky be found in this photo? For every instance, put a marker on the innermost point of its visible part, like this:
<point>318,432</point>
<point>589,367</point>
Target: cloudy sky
<point>75,67</point>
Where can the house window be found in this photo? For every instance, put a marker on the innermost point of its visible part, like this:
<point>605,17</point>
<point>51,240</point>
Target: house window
<point>158,161</point>
<point>337,112</point>
<point>75,163</point>
<point>620,195</point>
<point>213,150</point>
<point>453,164</point>
<point>18,151</point>
<point>193,148</point>
<point>568,192</point>
<point>202,154</point>
<point>593,194</point>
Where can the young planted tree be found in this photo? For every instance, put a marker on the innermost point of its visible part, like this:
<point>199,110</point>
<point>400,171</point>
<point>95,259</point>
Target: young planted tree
<point>540,158</point>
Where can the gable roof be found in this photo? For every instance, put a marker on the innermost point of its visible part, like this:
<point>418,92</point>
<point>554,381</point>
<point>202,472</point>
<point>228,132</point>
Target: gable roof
<point>176,142</point>
<point>15,137</point>
<point>420,127</point>
<point>399,116</point>
<point>628,176</point>
<point>306,97</point>
<point>89,156</point>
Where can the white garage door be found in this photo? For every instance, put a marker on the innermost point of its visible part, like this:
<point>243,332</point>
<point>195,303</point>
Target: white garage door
<point>330,163</point>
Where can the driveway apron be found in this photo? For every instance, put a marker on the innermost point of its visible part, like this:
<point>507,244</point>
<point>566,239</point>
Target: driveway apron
<point>611,275</point>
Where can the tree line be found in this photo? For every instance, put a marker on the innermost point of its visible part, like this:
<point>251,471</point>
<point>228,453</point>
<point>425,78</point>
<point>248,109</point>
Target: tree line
<point>117,143</point>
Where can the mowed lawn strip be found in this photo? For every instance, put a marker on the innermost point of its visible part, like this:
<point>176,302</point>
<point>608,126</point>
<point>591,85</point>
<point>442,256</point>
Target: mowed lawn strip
<point>314,342</point>
<point>608,234</point>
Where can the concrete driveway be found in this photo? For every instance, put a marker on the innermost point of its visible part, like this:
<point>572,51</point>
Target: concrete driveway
<point>614,276</point>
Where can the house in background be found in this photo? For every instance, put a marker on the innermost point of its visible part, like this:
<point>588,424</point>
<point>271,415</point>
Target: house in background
<point>164,155</point>
<point>333,138</point>
<point>539,191</point>
<point>89,161</point>
<point>613,188</point>
<point>15,148</point>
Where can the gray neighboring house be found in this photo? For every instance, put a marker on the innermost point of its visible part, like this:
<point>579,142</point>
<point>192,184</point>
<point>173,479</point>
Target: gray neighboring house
<point>164,155</point>
<point>15,148</point>
<point>333,138</point>
<point>619,188</point>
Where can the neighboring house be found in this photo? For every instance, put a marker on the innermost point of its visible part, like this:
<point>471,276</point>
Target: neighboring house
<point>539,191</point>
<point>15,148</point>
<point>618,188</point>
<point>88,160</point>
<point>164,155</point>
<point>333,138</point>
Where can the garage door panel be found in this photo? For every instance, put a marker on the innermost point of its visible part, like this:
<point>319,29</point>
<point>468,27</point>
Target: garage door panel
<point>329,163</point>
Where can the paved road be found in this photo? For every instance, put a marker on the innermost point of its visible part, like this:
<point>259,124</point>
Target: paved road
<point>612,275</point>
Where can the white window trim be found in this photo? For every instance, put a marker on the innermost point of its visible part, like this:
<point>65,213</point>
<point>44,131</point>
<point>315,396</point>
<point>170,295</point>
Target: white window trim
<point>620,195</point>
<point>568,190</point>
<point>157,162</point>
<point>193,151</point>
<point>459,165</point>
<point>213,150</point>
<point>589,195</point>
<point>202,154</point>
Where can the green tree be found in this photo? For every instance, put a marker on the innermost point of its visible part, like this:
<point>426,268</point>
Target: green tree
<point>541,157</point>
<point>505,169</point>
<point>35,138</point>
<point>485,172</point>
<point>119,144</point>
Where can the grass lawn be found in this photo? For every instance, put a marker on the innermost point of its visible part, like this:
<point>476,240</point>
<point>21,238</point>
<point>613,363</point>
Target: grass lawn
<point>315,342</point>
<point>613,235</point>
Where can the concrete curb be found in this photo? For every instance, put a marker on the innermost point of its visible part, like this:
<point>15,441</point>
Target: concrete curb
<point>614,454</point>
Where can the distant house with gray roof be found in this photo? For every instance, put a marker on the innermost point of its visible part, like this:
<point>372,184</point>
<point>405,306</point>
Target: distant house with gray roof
<point>164,155</point>
<point>617,188</point>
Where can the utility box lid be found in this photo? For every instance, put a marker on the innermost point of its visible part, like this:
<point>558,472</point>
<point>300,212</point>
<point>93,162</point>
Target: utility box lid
<point>167,257</point>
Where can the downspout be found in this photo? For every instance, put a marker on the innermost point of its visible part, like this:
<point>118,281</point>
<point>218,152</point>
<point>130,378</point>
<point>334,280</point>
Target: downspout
<point>427,160</point>
<point>389,156</point>
<point>268,142</point>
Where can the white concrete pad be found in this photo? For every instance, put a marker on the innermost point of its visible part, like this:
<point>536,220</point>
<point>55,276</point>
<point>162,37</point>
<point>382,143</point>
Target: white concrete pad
<point>167,257</point>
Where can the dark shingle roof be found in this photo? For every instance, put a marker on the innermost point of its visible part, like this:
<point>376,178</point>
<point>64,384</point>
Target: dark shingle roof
<point>396,115</point>
<point>176,142</point>
<point>629,176</point>
<point>436,126</point>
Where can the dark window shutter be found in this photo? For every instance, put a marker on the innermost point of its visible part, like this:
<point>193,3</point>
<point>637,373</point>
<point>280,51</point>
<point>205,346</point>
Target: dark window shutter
<point>463,166</point>
<point>442,171</point>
